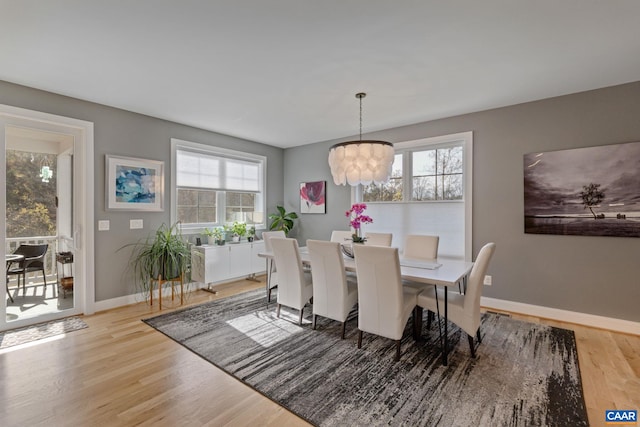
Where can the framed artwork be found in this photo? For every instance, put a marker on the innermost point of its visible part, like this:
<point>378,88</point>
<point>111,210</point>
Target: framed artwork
<point>312,197</point>
<point>134,184</point>
<point>589,191</point>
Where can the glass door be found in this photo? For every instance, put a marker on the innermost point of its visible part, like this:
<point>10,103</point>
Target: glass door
<point>39,222</point>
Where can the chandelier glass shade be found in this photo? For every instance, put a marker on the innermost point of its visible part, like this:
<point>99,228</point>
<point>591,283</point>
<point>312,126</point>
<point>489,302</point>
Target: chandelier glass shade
<point>361,162</point>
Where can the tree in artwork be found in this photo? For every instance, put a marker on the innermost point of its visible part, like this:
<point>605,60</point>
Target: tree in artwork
<point>591,196</point>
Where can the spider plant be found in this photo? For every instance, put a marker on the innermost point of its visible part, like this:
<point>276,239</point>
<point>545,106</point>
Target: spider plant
<point>164,254</point>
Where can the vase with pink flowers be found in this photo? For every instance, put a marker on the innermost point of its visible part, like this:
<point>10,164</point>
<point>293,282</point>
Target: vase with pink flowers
<point>356,219</point>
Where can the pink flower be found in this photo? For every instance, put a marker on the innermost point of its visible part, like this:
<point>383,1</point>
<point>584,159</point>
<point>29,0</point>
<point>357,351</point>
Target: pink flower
<point>313,193</point>
<point>359,218</point>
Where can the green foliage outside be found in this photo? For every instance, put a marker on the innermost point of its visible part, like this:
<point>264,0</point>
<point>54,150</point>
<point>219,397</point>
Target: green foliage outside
<point>31,203</point>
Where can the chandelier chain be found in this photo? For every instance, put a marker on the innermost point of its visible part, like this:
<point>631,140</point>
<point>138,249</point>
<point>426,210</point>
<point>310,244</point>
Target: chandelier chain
<point>360,118</point>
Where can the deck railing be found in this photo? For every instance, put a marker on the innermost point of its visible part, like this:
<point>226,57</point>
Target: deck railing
<point>12,244</point>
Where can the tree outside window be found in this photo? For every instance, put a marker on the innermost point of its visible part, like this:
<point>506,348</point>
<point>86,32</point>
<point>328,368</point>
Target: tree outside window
<point>437,174</point>
<point>390,191</point>
<point>31,195</point>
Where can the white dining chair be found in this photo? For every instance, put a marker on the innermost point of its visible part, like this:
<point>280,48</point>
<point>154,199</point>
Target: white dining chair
<point>384,305</point>
<point>421,247</point>
<point>272,271</point>
<point>378,239</point>
<point>462,309</point>
<point>341,236</point>
<point>334,293</point>
<point>294,284</point>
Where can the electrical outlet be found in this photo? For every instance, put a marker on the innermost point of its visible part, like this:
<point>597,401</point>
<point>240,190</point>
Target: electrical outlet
<point>487,280</point>
<point>103,225</point>
<point>135,223</point>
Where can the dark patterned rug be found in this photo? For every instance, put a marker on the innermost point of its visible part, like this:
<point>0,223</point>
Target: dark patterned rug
<point>40,331</point>
<point>524,375</point>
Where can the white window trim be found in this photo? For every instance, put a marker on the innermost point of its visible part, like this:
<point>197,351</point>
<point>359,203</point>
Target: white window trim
<point>177,144</point>
<point>466,140</point>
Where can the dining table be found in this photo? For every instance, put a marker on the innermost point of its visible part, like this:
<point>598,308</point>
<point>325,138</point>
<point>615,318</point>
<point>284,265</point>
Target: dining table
<point>444,272</point>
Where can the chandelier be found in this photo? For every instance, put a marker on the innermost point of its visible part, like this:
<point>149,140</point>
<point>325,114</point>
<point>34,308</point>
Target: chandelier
<point>361,162</point>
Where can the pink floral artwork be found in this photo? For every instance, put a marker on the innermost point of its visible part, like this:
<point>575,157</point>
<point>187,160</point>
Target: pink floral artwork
<point>312,197</point>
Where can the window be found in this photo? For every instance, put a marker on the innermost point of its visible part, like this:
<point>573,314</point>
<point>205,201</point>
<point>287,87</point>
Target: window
<point>437,174</point>
<point>213,186</point>
<point>431,174</point>
<point>390,191</point>
<point>429,192</point>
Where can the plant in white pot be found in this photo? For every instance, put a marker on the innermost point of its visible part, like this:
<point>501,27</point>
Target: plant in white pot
<point>211,235</point>
<point>238,229</point>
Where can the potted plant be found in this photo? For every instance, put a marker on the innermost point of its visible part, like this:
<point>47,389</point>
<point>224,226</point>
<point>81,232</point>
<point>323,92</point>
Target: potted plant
<point>251,233</point>
<point>282,220</point>
<point>165,255</point>
<point>238,229</point>
<point>211,235</point>
<point>356,219</point>
<point>219,236</point>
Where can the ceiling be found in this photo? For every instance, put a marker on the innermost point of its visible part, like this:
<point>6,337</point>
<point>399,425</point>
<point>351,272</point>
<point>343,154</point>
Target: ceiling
<point>285,72</point>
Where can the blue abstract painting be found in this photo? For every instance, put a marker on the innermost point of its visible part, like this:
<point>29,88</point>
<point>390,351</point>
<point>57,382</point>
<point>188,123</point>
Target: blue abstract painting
<point>135,184</point>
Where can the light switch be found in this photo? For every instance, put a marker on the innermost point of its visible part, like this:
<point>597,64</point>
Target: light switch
<point>103,225</point>
<point>135,223</point>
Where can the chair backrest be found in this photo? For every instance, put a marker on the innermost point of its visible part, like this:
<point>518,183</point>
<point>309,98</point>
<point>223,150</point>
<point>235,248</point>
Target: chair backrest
<point>474,285</point>
<point>33,254</point>
<point>378,239</point>
<point>341,236</point>
<point>267,235</point>
<point>329,279</point>
<point>420,246</point>
<point>290,272</point>
<point>380,296</point>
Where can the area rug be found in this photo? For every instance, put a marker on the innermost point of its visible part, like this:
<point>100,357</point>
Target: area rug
<point>40,331</point>
<point>524,375</point>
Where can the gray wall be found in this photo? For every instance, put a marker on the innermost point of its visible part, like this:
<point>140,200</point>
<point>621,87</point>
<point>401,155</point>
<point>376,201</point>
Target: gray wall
<point>595,275</point>
<point>124,133</point>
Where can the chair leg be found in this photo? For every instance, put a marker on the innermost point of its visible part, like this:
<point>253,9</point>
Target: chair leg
<point>359,339</point>
<point>473,350</point>
<point>398,350</point>
<point>315,317</point>
<point>269,295</point>
<point>479,337</point>
<point>44,278</point>
<point>344,328</point>
<point>278,311</point>
<point>300,319</point>
<point>8,292</point>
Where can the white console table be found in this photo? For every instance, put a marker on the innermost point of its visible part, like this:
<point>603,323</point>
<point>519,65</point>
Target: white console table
<point>211,264</point>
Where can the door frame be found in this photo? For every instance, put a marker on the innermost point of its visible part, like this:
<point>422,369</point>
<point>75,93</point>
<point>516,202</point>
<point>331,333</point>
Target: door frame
<point>84,264</point>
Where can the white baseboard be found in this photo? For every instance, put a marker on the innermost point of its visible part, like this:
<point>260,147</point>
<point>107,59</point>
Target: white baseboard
<point>139,297</point>
<point>601,322</point>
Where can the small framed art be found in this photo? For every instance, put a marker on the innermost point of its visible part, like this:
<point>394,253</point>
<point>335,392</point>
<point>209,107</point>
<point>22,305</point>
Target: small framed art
<point>312,197</point>
<point>134,184</point>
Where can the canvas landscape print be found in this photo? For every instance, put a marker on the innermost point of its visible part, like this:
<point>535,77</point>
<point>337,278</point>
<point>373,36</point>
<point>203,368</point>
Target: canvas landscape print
<point>592,191</point>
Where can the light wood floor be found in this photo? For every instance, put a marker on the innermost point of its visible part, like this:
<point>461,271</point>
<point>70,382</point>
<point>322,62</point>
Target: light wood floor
<point>121,372</point>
